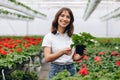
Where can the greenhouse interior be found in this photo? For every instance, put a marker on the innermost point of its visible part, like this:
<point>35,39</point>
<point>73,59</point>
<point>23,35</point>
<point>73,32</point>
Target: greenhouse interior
<point>29,52</point>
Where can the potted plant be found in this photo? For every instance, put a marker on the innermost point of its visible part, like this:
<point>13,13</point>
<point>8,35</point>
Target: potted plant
<point>81,41</point>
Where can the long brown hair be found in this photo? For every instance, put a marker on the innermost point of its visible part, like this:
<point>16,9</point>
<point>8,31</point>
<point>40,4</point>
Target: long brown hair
<point>69,28</point>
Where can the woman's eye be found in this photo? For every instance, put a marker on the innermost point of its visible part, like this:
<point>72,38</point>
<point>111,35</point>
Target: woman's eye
<point>62,15</point>
<point>68,17</point>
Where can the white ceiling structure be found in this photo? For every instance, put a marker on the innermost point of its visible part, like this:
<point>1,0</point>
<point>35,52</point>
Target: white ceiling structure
<point>91,23</point>
<point>109,5</point>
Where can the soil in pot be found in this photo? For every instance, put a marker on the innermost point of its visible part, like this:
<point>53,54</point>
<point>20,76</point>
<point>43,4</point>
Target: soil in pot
<point>80,49</point>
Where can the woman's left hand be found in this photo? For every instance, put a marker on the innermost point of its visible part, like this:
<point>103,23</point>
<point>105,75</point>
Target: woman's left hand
<point>85,52</point>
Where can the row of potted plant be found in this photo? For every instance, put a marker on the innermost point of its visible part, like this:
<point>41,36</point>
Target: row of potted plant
<point>102,61</point>
<point>16,52</point>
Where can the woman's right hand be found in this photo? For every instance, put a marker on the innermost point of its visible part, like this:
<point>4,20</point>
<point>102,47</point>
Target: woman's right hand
<point>67,51</point>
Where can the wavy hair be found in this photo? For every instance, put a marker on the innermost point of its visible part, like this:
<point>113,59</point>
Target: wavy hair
<point>69,28</point>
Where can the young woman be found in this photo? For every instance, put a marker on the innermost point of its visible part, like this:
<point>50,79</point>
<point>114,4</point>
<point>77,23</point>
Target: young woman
<point>57,43</point>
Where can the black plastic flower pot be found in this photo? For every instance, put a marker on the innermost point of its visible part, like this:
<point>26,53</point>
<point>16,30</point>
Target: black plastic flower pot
<point>80,49</point>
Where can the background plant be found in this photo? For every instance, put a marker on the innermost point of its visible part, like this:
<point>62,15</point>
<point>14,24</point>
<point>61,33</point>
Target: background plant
<point>101,62</point>
<point>15,52</point>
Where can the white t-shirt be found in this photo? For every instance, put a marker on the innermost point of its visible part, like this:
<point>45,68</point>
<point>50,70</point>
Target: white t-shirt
<point>57,42</point>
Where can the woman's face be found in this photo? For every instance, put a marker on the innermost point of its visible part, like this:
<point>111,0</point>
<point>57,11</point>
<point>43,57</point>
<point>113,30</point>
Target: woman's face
<point>64,19</point>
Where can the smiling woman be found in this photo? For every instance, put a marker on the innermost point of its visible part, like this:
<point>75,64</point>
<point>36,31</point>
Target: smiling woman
<point>57,44</point>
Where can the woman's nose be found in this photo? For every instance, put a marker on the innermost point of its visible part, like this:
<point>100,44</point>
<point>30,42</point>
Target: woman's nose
<point>65,18</point>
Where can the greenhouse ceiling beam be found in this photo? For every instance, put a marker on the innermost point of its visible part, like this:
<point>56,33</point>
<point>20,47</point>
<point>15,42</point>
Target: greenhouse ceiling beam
<point>91,6</point>
<point>21,8</point>
<point>9,15</point>
<point>113,14</point>
<point>117,18</point>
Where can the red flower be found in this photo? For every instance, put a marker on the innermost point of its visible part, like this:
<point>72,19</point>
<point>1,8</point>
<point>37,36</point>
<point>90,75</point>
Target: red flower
<point>118,63</point>
<point>3,52</point>
<point>1,46</point>
<point>85,57</point>
<point>97,59</point>
<point>27,45</point>
<point>19,49</point>
<point>11,50</point>
<point>83,71</point>
<point>19,41</point>
<point>101,53</point>
<point>114,53</point>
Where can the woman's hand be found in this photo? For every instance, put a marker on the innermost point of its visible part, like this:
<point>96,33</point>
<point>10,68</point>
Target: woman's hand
<point>67,51</point>
<point>84,52</point>
<point>77,56</point>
